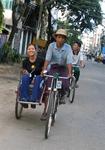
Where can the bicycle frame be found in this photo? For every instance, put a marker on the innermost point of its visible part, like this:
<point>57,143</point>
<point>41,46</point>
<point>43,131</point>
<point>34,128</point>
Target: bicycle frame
<point>55,80</point>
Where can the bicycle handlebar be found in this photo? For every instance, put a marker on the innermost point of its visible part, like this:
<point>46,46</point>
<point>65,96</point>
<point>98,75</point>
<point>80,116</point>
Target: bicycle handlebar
<point>52,76</point>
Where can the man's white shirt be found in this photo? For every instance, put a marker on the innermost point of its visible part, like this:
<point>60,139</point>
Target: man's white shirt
<point>77,58</point>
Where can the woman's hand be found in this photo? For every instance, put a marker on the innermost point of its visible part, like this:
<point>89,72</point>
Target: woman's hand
<point>69,75</point>
<point>82,64</point>
<point>43,72</point>
<point>24,71</point>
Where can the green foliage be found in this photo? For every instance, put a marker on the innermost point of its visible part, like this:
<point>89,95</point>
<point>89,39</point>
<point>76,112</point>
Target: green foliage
<point>8,55</point>
<point>73,35</point>
<point>81,14</point>
<point>71,39</point>
<point>85,14</point>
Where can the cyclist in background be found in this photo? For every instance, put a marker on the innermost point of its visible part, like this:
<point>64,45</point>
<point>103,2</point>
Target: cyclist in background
<point>59,56</point>
<point>78,60</point>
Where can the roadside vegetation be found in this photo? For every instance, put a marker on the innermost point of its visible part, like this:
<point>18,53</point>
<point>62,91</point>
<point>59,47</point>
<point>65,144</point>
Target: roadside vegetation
<point>9,55</point>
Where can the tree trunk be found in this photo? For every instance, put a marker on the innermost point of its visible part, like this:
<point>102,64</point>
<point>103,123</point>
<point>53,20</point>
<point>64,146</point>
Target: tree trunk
<point>11,36</point>
<point>14,24</point>
<point>39,20</point>
<point>49,25</point>
<point>17,12</point>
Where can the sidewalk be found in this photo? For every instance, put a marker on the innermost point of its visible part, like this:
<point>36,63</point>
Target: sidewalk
<point>10,71</point>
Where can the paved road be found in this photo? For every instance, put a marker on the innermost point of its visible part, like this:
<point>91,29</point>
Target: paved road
<point>79,126</point>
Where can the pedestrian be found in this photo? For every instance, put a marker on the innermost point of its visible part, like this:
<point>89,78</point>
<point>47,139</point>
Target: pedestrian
<point>59,56</point>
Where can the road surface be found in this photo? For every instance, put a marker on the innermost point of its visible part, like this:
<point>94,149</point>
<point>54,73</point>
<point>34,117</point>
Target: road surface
<point>79,126</point>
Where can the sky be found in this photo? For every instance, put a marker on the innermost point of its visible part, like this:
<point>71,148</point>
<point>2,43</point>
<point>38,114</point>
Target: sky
<point>58,14</point>
<point>103,6</point>
<point>103,10</point>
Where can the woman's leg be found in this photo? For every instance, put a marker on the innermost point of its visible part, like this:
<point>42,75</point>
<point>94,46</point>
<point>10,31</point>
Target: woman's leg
<point>37,89</point>
<point>24,88</point>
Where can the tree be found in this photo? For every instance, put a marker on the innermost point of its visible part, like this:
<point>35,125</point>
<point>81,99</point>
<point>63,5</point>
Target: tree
<point>39,20</point>
<point>1,15</point>
<point>81,15</point>
<point>17,11</point>
<point>20,11</point>
<point>84,14</point>
<point>73,35</point>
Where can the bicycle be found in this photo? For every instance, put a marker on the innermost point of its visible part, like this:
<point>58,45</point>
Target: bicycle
<point>53,100</point>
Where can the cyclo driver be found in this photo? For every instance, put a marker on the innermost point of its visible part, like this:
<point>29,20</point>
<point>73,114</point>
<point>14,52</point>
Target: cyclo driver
<point>59,56</point>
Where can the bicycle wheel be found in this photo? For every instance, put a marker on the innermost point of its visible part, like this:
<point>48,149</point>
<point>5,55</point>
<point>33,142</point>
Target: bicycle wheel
<point>49,115</point>
<point>55,104</point>
<point>18,109</point>
<point>71,91</point>
<point>71,95</point>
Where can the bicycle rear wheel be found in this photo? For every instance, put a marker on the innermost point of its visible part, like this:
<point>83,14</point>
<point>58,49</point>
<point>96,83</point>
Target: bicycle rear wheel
<point>71,91</point>
<point>18,109</point>
<point>71,95</point>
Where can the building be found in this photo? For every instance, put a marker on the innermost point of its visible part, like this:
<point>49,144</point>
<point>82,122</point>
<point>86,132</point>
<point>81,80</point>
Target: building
<point>92,40</point>
<point>26,25</point>
<point>87,41</point>
<point>7,23</point>
<point>7,5</point>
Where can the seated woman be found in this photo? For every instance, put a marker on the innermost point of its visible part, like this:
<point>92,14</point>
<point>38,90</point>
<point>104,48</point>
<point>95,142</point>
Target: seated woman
<point>30,65</point>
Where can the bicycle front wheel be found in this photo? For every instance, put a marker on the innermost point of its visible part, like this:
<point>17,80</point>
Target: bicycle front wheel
<point>49,114</point>
<point>55,104</point>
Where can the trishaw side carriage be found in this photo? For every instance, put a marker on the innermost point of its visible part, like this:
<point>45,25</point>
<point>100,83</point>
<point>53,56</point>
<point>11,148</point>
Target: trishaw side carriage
<point>53,99</point>
<point>20,103</point>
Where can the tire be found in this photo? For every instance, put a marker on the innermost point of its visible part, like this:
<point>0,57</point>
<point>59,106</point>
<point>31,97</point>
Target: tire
<point>71,92</point>
<point>18,109</point>
<point>71,95</point>
<point>48,126</point>
<point>55,107</point>
<point>49,115</point>
<point>53,118</point>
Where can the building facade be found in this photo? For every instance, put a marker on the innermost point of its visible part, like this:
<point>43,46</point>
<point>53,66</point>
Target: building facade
<point>7,5</point>
<point>26,29</point>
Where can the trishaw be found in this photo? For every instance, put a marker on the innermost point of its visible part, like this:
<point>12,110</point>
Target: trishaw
<point>53,98</point>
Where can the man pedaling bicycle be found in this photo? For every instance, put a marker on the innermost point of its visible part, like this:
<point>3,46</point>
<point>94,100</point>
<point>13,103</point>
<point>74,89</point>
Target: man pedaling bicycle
<point>59,56</point>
